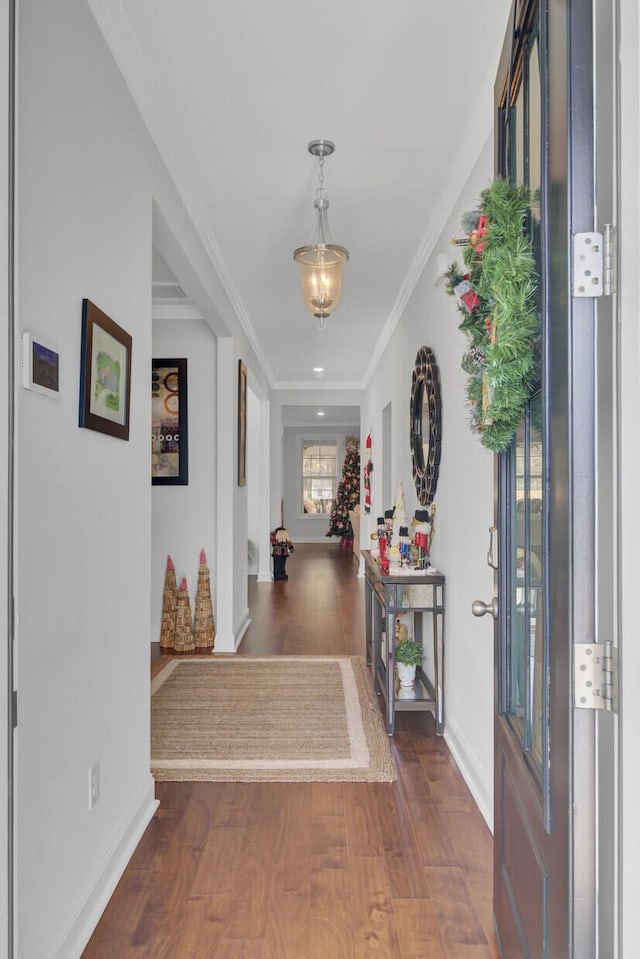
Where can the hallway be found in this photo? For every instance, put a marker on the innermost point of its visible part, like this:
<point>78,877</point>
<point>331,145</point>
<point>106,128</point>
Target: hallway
<point>303,871</point>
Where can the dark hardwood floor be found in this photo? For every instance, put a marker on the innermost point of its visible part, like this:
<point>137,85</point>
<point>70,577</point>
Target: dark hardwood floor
<point>311,871</point>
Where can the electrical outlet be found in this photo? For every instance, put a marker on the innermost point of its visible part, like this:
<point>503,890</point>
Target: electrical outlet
<point>94,785</point>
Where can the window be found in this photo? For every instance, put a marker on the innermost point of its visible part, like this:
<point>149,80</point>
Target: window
<point>319,477</point>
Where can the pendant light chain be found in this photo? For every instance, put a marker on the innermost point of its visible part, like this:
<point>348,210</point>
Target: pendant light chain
<point>321,193</point>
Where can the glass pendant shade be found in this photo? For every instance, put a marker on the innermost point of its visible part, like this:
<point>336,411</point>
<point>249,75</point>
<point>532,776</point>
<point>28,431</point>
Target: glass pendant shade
<point>321,276</point>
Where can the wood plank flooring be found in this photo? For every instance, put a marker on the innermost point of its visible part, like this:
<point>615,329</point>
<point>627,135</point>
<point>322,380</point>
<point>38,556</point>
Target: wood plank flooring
<point>311,870</point>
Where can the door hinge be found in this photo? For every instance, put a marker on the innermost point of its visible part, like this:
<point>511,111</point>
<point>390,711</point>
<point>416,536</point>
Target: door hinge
<point>595,676</point>
<point>594,263</point>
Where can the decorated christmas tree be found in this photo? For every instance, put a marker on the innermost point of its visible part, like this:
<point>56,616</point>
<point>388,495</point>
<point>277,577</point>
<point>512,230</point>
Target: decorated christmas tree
<point>348,492</point>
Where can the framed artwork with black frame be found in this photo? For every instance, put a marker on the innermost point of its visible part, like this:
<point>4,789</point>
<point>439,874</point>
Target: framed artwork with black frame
<point>426,425</point>
<point>169,423</point>
<point>105,373</point>
<point>242,424</point>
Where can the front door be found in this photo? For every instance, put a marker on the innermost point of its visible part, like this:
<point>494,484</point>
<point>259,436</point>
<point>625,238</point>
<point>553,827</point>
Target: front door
<point>544,874</point>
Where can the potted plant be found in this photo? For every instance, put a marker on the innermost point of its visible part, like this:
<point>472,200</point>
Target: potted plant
<point>408,655</point>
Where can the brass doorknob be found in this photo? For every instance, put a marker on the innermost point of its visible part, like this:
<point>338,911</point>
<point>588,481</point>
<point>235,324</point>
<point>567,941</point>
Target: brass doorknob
<point>478,608</point>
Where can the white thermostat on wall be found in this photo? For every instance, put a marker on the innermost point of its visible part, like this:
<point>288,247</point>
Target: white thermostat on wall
<point>40,365</point>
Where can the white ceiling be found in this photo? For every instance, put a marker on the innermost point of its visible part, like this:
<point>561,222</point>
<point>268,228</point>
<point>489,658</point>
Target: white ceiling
<point>322,415</point>
<point>233,90</point>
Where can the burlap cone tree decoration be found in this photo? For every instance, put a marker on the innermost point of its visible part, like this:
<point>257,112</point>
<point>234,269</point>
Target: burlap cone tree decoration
<point>168,628</point>
<point>183,642</point>
<point>204,625</point>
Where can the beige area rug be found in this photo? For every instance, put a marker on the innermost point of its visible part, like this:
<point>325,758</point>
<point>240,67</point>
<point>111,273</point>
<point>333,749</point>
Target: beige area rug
<point>268,719</point>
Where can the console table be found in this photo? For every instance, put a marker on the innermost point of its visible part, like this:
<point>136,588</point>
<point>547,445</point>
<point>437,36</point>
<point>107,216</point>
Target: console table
<point>387,596</point>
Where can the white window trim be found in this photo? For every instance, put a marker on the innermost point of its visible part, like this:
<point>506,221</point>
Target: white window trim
<point>313,440</point>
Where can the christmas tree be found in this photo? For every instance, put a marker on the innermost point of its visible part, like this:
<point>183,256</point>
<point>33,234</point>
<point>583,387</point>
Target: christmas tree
<point>348,492</point>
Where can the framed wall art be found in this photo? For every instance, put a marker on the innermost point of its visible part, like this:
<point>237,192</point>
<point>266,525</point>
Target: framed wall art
<point>426,425</point>
<point>105,373</point>
<point>242,424</point>
<point>169,423</point>
<point>40,365</point>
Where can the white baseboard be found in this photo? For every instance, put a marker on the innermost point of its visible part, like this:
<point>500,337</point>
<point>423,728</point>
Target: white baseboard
<point>75,935</point>
<point>229,642</point>
<point>470,771</point>
<point>246,622</point>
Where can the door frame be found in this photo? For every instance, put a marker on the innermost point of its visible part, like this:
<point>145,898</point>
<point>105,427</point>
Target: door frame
<point>7,326</point>
<point>627,45</point>
<point>582,439</point>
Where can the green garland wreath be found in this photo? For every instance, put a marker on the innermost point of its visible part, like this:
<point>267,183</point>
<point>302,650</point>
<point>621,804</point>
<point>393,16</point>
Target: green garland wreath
<point>498,302</point>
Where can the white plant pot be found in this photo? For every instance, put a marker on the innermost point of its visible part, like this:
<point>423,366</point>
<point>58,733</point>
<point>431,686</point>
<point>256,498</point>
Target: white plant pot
<point>406,675</point>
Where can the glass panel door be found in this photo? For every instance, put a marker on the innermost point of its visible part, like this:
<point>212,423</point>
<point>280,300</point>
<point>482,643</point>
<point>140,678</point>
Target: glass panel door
<point>524,704</point>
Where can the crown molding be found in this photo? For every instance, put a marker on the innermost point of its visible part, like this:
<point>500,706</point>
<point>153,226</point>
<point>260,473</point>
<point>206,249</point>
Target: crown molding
<point>170,310</point>
<point>324,385</point>
<point>477,131</point>
<point>210,244</point>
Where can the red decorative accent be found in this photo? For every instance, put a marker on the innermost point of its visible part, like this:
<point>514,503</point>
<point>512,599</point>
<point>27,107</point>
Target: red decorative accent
<point>170,563</point>
<point>203,558</point>
<point>467,295</point>
<point>478,236</point>
<point>183,583</point>
<point>368,469</point>
<point>382,548</point>
<point>470,300</point>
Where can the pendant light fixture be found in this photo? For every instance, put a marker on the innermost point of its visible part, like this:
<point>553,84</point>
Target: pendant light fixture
<point>321,262</point>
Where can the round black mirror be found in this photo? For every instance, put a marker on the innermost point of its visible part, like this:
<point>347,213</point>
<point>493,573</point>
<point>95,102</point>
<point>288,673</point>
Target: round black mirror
<point>425,417</point>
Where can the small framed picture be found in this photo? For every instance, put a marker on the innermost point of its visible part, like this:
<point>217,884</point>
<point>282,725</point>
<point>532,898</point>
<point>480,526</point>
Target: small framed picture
<point>40,365</point>
<point>105,373</point>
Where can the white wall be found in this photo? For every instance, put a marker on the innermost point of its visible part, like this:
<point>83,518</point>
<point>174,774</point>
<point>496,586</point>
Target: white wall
<point>255,480</point>
<point>84,507</point>
<point>83,498</point>
<point>240,536</point>
<point>93,197</point>
<point>231,502</point>
<point>183,517</point>
<point>308,528</point>
<point>464,498</point>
